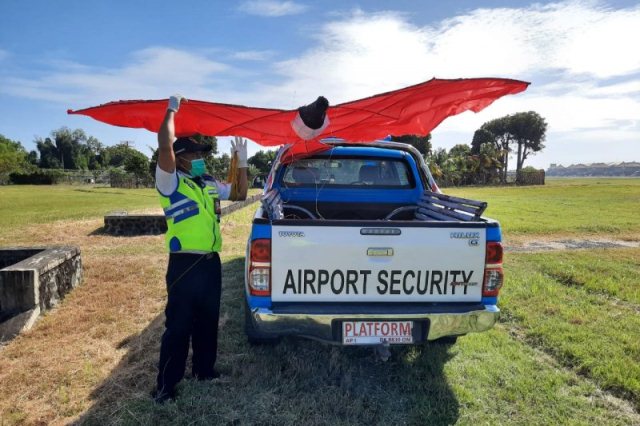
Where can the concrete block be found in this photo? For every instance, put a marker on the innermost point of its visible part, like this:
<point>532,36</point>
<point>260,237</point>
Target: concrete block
<point>121,223</point>
<point>37,280</point>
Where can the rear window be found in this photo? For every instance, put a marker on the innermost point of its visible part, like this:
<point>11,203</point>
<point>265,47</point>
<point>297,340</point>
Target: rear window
<point>349,172</point>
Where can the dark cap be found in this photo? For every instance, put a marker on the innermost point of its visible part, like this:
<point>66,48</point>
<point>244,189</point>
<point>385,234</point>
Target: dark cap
<point>313,115</point>
<point>183,145</point>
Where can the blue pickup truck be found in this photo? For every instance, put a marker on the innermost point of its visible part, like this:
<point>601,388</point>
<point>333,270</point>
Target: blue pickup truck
<point>356,245</point>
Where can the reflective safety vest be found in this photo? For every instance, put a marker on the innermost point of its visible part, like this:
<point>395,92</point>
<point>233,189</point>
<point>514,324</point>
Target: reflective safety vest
<point>193,217</point>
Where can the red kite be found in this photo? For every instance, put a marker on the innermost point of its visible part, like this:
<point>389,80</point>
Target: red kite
<point>415,110</point>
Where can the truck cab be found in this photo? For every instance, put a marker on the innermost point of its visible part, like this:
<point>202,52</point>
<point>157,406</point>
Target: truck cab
<point>356,245</point>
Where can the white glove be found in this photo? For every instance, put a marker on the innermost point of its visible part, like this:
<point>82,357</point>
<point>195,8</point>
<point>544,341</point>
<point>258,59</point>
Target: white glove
<point>174,102</point>
<point>239,146</point>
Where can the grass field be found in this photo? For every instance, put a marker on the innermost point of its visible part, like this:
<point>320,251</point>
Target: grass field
<point>29,204</point>
<point>566,351</point>
<point>564,207</point>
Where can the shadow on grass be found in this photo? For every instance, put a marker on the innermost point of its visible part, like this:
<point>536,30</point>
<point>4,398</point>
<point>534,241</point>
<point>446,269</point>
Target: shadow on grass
<point>101,231</point>
<point>295,382</point>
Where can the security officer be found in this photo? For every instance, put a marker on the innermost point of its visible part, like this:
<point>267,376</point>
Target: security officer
<point>191,203</point>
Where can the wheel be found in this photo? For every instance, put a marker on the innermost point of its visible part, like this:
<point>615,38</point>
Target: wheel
<point>297,209</point>
<point>402,209</point>
<point>254,337</point>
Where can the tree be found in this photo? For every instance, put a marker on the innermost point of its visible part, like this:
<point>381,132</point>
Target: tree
<point>461,167</point>
<point>528,129</point>
<point>96,157</point>
<point>13,156</point>
<point>72,148</point>
<point>480,138</point>
<point>118,154</point>
<point>32,157</point>
<point>436,162</point>
<point>68,149</point>
<point>262,161</point>
<point>489,164</point>
<point>154,160</point>
<point>219,166</point>
<point>439,156</point>
<point>50,157</point>
<point>421,143</point>
<point>499,128</point>
<point>525,129</point>
<point>103,158</point>
<point>138,164</point>
<point>460,150</point>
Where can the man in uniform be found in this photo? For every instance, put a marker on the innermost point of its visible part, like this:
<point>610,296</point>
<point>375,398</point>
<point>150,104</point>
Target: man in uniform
<point>191,203</point>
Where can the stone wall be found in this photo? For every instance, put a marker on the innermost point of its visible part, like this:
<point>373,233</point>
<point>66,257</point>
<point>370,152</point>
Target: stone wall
<point>121,223</point>
<point>125,224</point>
<point>34,284</point>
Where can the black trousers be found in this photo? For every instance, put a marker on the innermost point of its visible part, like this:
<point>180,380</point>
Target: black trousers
<point>194,283</point>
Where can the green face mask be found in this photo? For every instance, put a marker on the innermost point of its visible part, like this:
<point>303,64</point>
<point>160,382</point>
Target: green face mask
<point>198,167</point>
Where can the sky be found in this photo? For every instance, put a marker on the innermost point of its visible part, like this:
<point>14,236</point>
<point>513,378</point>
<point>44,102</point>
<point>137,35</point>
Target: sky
<point>581,57</point>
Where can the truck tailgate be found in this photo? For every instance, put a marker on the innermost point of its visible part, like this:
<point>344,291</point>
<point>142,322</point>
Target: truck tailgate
<point>420,262</point>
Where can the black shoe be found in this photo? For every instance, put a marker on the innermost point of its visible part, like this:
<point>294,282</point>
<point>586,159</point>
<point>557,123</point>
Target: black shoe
<point>163,396</point>
<point>205,377</point>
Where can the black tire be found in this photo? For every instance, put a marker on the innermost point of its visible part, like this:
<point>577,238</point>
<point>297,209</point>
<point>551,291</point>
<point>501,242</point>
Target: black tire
<point>254,337</point>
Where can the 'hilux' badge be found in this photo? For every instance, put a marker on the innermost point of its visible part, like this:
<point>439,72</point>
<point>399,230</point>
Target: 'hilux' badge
<point>464,235</point>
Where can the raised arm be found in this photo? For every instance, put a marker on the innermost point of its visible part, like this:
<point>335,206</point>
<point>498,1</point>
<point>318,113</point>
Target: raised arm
<point>166,136</point>
<point>239,146</point>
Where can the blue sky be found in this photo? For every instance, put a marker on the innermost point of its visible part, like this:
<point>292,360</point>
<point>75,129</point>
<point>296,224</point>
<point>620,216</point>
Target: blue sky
<point>582,58</point>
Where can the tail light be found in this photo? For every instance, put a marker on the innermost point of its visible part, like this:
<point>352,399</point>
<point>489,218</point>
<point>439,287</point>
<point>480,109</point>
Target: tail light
<point>259,276</point>
<point>493,274</point>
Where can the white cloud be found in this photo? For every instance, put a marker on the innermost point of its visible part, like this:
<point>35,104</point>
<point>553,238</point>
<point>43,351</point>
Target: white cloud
<point>154,72</point>
<point>253,55</point>
<point>567,112</point>
<point>272,8</point>
<point>623,89</point>
<point>383,51</point>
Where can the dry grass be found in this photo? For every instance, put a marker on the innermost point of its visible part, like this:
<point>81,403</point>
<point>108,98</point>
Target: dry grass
<point>49,372</point>
<point>55,371</point>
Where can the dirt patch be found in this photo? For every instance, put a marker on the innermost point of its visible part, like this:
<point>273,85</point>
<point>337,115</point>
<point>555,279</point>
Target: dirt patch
<point>568,244</point>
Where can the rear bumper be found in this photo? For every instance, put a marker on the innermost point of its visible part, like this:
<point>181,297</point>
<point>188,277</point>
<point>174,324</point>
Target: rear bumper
<point>430,324</point>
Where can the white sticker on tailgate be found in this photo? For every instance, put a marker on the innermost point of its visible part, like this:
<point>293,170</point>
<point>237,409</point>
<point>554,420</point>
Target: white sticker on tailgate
<point>326,263</point>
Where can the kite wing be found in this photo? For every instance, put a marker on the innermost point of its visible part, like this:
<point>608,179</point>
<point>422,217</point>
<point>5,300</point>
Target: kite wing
<point>416,110</point>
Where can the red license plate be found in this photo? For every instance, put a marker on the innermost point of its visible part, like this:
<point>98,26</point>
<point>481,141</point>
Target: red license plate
<point>377,332</point>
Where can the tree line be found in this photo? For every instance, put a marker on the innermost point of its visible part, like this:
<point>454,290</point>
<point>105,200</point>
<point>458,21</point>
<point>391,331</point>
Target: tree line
<point>483,161</point>
<point>74,150</point>
<point>67,149</point>
<point>486,159</point>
